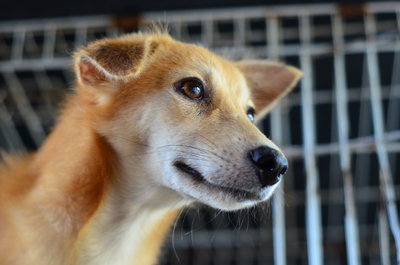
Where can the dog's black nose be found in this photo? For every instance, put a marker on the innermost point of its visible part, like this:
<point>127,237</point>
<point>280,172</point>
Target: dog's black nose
<point>270,164</point>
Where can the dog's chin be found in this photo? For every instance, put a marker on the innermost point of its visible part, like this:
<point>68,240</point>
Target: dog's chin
<point>195,186</point>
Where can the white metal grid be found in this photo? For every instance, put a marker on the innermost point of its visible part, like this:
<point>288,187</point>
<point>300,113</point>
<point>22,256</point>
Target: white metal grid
<point>340,128</point>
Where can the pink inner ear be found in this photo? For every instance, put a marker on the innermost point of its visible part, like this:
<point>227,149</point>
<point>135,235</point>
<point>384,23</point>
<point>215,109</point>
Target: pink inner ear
<point>90,74</point>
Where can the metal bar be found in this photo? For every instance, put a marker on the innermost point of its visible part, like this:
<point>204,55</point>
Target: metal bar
<point>8,128</point>
<point>368,194</point>
<point>59,23</point>
<point>393,111</point>
<point>321,49</point>
<point>244,12</point>
<point>18,44</point>
<point>279,231</point>
<point>81,35</point>
<point>392,121</point>
<point>269,11</point>
<point>314,230</point>
<point>242,239</point>
<point>49,42</point>
<point>394,106</point>
<point>24,107</point>
<point>384,240</point>
<point>285,50</point>
<point>178,30</point>
<point>35,64</point>
<point>239,37</point>
<point>351,226</point>
<point>207,35</point>
<point>333,171</point>
<point>359,145</point>
<point>382,7</point>
<point>377,117</point>
<point>287,33</point>
<point>30,45</point>
<point>359,94</point>
<point>363,161</point>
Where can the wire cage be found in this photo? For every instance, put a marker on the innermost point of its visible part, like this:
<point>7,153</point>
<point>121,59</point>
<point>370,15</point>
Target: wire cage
<point>340,128</point>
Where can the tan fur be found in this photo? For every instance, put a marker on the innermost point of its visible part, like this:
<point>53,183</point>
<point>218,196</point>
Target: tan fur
<point>102,189</point>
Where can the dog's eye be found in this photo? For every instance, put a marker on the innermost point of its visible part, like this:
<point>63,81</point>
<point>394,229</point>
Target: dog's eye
<point>250,113</point>
<point>191,88</point>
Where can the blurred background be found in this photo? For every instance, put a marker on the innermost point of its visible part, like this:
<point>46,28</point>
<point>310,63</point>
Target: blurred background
<point>340,128</point>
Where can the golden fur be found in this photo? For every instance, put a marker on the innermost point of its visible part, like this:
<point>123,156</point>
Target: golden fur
<point>101,189</point>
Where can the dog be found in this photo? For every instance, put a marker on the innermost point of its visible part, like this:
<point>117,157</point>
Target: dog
<point>153,126</point>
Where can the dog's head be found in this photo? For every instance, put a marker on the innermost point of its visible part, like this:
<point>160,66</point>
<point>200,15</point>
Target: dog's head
<point>182,118</point>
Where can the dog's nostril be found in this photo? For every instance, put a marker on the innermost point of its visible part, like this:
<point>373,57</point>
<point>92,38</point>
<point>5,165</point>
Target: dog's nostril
<point>283,170</point>
<point>270,164</point>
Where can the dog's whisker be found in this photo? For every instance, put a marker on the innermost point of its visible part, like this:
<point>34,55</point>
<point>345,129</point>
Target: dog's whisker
<point>192,230</point>
<point>210,143</point>
<point>198,157</point>
<point>197,148</point>
<point>248,221</point>
<point>204,152</point>
<point>178,218</point>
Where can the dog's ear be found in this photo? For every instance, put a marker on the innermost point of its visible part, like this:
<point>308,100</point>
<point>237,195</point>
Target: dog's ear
<point>268,82</point>
<point>102,64</point>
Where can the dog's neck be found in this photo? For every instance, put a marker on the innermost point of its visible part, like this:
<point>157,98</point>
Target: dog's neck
<point>108,221</point>
<point>132,223</point>
<point>121,236</point>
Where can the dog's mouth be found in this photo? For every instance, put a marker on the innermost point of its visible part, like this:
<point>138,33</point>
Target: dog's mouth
<point>239,194</point>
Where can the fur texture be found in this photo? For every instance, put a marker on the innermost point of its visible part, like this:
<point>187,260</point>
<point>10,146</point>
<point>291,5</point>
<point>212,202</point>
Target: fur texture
<point>105,186</point>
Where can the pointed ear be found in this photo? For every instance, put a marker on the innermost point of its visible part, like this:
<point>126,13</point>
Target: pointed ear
<point>268,82</point>
<point>101,65</point>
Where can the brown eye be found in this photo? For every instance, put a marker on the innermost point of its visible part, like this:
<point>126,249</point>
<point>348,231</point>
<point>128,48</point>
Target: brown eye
<point>191,88</point>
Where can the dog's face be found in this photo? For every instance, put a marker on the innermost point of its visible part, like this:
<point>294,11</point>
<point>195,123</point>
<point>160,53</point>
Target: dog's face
<point>183,118</point>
